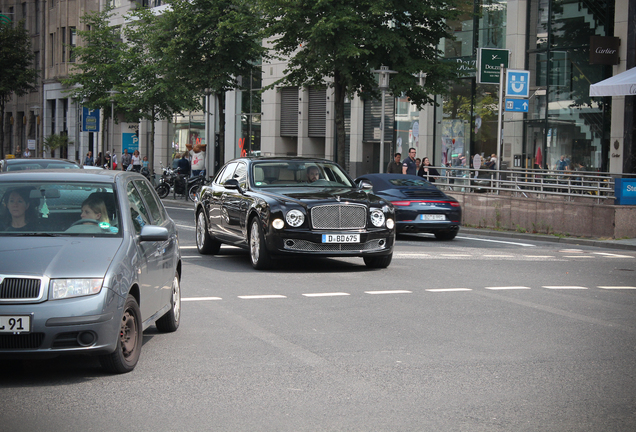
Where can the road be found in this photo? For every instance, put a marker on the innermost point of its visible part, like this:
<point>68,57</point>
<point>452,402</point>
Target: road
<point>476,334</point>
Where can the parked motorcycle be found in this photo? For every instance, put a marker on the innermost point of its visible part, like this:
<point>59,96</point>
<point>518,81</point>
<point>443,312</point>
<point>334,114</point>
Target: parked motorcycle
<point>166,182</point>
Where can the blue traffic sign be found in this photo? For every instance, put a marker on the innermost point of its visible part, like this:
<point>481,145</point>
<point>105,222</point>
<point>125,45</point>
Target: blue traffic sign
<point>518,83</point>
<point>517,105</point>
<point>90,120</point>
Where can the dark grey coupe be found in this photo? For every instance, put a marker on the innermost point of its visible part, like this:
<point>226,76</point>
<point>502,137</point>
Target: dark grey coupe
<point>88,261</point>
<point>277,207</point>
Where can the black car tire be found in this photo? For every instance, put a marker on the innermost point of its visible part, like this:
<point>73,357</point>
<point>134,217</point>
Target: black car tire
<point>169,322</point>
<point>163,190</point>
<point>129,341</point>
<point>206,244</point>
<point>259,256</point>
<point>378,261</point>
<point>192,193</point>
<point>446,235</point>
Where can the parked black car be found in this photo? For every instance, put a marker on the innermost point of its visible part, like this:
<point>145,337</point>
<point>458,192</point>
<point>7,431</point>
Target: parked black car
<point>277,207</point>
<point>419,206</point>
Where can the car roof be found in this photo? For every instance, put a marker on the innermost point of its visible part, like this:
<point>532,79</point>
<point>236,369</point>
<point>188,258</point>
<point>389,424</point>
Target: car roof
<point>102,176</point>
<point>14,161</point>
<point>282,159</point>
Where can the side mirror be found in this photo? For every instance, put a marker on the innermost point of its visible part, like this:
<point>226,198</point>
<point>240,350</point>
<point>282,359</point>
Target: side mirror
<point>154,233</point>
<point>232,184</point>
<point>366,186</point>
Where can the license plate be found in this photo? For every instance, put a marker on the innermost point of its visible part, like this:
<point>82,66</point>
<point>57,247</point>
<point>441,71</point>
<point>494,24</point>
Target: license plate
<point>15,323</point>
<point>341,238</point>
<point>433,217</point>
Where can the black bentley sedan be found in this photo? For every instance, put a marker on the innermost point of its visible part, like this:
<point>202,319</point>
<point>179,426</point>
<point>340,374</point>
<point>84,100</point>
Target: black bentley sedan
<point>419,206</point>
<point>276,207</point>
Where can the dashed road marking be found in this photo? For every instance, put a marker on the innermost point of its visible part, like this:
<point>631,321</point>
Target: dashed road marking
<point>499,288</point>
<point>333,294</point>
<point>617,287</point>
<point>190,299</point>
<point>611,255</point>
<point>389,292</point>
<point>448,289</point>
<point>564,287</point>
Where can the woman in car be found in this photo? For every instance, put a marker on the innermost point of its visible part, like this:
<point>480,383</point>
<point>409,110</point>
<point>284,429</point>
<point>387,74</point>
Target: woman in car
<point>93,208</point>
<point>21,211</point>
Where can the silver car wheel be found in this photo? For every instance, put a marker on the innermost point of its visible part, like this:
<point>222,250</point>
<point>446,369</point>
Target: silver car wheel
<point>255,242</point>
<point>200,230</point>
<point>176,298</point>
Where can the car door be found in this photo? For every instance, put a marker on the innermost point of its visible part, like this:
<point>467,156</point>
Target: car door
<point>217,214</point>
<point>235,204</point>
<point>168,249</point>
<point>148,258</point>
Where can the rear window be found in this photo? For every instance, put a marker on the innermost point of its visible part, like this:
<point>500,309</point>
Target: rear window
<point>408,182</point>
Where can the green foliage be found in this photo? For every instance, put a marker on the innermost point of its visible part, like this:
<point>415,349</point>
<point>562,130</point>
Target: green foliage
<point>340,42</point>
<point>55,141</point>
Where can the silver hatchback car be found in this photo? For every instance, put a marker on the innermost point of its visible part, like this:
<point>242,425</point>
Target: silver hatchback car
<point>88,261</point>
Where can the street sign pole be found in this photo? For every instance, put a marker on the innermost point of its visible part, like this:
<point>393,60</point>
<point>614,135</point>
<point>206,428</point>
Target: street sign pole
<point>499,119</point>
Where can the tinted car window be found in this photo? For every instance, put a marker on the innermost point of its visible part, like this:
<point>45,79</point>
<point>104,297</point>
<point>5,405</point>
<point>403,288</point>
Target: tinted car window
<point>241,175</point>
<point>138,211</point>
<point>227,173</point>
<point>149,196</point>
<point>409,182</point>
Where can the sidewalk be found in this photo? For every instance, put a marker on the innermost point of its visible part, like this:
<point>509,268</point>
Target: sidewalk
<point>625,244</point>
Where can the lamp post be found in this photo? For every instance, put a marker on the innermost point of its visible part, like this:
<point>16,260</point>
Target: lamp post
<point>384,86</point>
<point>112,94</point>
<point>36,111</point>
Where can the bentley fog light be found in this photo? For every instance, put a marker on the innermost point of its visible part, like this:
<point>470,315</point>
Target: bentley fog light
<point>377,217</point>
<point>67,288</point>
<point>390,223</point>
<point>278,224</point>
<point>295,218</point>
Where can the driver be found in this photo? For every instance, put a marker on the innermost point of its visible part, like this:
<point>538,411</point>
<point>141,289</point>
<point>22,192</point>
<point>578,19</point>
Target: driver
<point>313,174</point>
<point>95,209</point>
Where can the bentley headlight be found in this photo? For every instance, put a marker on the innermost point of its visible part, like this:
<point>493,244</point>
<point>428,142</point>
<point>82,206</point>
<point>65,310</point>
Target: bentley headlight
<point>295,218</point>
<point>67,288</point>
<point>377,217</point>
<point>390,223</point>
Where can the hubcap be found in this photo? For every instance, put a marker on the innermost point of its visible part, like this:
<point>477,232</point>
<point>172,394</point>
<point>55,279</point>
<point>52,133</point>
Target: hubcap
<point>255,242</point>
<point>128,334</point>
<point>200,230</point>
<point>176,299</point>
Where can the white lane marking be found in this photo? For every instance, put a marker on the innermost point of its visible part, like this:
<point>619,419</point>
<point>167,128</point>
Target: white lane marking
<point>497,241</point>
<point>507,288</point>
<point>571,250</point>
<point>577,256</point>
<point>271,296</point>
<point>498,256</point>
<point>538,256</point>
<point>191,256</point>
<point>186,299</point>
<point>455,255</point>
<point>410,255</point>
<point>389,292</point>
<point>185,226</point>
<point>618,287</point>
<point>555,287</point>
<point>333,294</point>
<point>611,255</point>
<point>448,289</point>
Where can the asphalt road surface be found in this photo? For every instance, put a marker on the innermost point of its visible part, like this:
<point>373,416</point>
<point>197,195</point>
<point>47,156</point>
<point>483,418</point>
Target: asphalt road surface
<point>475,334</point>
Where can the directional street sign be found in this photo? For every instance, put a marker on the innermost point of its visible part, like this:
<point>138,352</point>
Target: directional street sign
<point>517,105</point>
<point>518,83</point>
<point>90,120</point>
<point>488,62</point>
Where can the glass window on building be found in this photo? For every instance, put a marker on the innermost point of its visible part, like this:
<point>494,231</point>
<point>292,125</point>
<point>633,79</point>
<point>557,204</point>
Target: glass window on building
<point>249,115</point>
<point>189,130</point>
<point>563,120</point>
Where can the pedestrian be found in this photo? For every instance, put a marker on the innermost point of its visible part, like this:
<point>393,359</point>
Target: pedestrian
<point>184,165</point>
<point>197,159</point>
<point>408,166</point>
<point>427,171</point>
<point>126,160</point>
<point>26,153</point>
<point>88,160</point>
<point>562,164</point>
<point>107,162</point>
<point>98,161</point>
<point>136,161</point>
<point>113,161</point>
<point>395,166</point>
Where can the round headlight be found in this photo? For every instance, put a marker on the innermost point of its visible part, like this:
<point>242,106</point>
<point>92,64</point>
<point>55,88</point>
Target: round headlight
<point>278,224</point>
<point>295,218</point>
<point>390,223</point>
<point>377,217</point>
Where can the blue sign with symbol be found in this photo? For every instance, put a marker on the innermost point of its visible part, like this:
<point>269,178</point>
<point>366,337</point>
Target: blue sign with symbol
<point>90,120</point>
<point>518,83</point>
<point>517,105</point>
<point>129,141</point>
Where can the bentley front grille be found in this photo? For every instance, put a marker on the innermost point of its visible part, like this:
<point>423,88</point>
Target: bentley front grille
<point>339,216</point>
<point>12,288</point>
<point>307,246</point>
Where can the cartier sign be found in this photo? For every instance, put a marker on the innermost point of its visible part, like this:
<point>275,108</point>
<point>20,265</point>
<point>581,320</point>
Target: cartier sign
<point>604,50</point>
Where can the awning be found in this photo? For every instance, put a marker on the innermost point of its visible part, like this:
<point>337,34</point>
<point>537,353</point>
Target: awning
<point>623,84</point>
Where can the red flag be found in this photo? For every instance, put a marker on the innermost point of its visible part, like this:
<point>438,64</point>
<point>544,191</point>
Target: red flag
<point>539,158</point>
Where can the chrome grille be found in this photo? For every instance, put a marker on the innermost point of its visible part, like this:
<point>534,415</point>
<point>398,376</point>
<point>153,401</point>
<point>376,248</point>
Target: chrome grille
<point>307,246</point>
<point>339,216</point>
<point>13,288</point>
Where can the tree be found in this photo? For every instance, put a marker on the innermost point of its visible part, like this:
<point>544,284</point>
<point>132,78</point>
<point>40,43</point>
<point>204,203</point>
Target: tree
<point>55,141</point>
<point>17,75</point>
<point>340,42</point>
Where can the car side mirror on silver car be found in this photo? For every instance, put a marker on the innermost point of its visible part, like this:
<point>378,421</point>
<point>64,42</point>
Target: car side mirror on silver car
<point>154,233</point>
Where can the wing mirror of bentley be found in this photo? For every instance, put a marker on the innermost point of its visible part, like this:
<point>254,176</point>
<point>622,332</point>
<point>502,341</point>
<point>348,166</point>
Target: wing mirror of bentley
<point>366,186</point>
<point>232,184</point>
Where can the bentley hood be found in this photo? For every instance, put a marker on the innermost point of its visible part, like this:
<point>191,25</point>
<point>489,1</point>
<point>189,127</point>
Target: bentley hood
<point>312,195</point>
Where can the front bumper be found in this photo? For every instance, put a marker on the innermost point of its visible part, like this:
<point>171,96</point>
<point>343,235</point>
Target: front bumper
<point>79,325</point>
<point>301,242</point>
